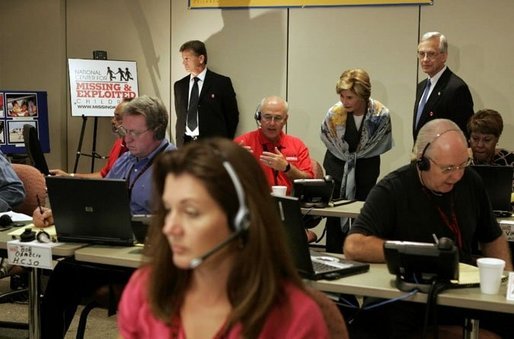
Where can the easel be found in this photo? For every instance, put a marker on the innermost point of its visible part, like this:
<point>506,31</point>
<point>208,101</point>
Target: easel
<point>94,155</point>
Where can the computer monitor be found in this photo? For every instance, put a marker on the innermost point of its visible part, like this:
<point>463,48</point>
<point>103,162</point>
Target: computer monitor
<point>498,184</point>
<point>417,265</point>
<point>314,193</point>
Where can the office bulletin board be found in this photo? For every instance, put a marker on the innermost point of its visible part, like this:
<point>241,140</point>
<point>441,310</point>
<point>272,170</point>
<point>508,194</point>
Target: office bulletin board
<point>299,3</point>
<point>18,108</point>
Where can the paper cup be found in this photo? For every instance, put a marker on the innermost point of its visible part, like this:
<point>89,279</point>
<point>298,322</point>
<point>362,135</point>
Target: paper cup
<point>491,270</point>
<point>279,190</point>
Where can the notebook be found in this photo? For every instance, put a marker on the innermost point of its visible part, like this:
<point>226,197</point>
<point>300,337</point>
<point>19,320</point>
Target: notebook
<point>91,210</point>
<point>498,184</point>
<point>310,265</point>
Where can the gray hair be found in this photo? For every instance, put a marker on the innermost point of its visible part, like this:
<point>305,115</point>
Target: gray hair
<point>430,132</point>
<point>266,100</point>
<point>154,111</point>
<point>443,42</point>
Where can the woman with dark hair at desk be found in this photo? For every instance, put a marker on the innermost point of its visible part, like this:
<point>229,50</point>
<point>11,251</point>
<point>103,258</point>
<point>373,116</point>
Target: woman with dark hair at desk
<point>485,128</point>
<point>216,265</point>
<point>356,131</point>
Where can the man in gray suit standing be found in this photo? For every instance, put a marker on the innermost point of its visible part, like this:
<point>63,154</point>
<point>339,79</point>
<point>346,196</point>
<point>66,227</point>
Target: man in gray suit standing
<point>443,94</point>
<point>205,102</point>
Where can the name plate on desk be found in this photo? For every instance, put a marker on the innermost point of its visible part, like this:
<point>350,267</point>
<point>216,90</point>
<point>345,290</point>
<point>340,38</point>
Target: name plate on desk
<point>30,254</point>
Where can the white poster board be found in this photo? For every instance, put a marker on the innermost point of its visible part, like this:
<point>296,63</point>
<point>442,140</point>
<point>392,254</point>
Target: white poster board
<point>97,86</point>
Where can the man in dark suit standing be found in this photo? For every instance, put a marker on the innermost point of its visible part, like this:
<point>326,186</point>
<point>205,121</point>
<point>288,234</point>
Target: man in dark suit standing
<point>443,94</point>
<point>205,102</point>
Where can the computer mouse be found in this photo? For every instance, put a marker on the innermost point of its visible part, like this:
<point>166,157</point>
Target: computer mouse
<point>445,244</point>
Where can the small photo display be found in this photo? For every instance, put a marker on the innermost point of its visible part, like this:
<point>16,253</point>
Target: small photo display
<point>21,105</point>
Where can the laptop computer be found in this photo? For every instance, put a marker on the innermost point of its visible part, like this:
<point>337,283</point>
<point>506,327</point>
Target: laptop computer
<point>91,210</point>
<point>310,265</point>
<point>498,184</point>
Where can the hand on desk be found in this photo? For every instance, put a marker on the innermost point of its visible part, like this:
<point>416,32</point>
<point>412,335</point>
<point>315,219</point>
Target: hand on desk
<point>42,217</point>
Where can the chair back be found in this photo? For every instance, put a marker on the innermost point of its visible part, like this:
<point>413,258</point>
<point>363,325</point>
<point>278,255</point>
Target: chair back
<point>35,186</point>
<point>33,149</point>
<point>333,317</point>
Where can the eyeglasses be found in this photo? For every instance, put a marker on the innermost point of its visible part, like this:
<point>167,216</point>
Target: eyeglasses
<point>429,55</point>
<point>269,118</point>
<point>122,131</point>
<point>453,168</point>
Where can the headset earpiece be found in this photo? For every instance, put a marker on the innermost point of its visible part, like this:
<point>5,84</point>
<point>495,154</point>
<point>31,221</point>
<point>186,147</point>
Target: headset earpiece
<point>43,237</point>
<point>257,115</point>
<point>241,220</point>
<point>423,163</point>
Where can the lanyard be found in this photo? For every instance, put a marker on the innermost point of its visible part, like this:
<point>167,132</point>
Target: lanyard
<point>143,170</point>
<point>451,222</point>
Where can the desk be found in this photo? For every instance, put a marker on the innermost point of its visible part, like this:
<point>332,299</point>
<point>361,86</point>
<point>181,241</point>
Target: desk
<point>351,210</point>
<point>64,250</point>
<point>378,282</point>
<point>110,255</point>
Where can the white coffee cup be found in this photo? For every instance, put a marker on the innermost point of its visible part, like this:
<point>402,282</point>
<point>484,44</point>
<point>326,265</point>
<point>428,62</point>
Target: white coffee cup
<point>279,190</point>
<point>491,271</point>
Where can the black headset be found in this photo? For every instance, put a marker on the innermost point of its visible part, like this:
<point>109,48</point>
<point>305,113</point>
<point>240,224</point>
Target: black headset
<point>257,114</point>
<point>423,163</point>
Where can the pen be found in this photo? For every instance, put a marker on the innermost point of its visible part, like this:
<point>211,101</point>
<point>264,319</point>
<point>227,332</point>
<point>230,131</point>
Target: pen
<point>39,204</point>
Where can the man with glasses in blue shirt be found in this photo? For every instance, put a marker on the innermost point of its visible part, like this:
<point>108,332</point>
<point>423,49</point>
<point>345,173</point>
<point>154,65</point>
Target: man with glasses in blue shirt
<point>143,128</point>
<point>443,95</point>
<point>436,195</point>
<point>283,157</point>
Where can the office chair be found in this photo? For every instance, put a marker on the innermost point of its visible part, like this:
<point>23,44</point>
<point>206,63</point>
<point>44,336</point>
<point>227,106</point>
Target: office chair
<point>35,188</point>
<point>333,317</point>
<point>108,297</point>
<point>33,149</point>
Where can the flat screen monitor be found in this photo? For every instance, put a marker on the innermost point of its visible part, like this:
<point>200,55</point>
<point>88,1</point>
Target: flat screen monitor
<point>417,265</point>
<point>314,193</point>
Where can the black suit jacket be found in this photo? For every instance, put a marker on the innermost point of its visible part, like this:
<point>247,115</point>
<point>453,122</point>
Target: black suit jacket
<point>450,99</point>
<point>218,114</point>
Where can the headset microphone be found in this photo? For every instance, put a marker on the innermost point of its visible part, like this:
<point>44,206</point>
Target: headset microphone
<point>198,260</point>
<point>241,221</point>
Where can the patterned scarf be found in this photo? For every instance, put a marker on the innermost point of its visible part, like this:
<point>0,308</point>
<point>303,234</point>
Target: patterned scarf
<point>376,138</point>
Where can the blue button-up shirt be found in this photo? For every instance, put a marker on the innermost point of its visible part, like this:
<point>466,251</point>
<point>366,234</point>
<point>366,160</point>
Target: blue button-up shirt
<point>12,191</point>
<point>138,172</point>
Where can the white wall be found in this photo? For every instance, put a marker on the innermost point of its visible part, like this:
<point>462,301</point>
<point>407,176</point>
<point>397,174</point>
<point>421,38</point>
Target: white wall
<point>297,53</point>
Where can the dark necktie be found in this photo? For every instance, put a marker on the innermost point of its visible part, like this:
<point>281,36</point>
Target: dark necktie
<point>192,111</point>
<point>423,101</point>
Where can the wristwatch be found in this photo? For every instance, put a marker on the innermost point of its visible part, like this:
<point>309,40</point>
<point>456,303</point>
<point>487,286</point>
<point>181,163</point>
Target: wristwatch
<point>288,167</point>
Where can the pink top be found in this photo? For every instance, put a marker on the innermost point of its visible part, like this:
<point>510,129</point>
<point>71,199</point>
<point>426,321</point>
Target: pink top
<point>118,148</point>
<point>298,317</point>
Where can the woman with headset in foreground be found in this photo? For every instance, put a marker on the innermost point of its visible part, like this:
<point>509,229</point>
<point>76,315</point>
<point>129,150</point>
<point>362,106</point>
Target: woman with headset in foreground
<point>218,266</point>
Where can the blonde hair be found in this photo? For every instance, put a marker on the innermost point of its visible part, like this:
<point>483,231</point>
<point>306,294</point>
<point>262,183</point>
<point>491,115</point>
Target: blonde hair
<point>355,80</point>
